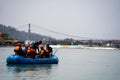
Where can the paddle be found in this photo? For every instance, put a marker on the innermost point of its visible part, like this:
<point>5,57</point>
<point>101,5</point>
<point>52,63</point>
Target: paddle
<point>54,52</point>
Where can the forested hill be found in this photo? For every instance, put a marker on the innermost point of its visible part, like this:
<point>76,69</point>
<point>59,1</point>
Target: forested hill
<point>21,35</point>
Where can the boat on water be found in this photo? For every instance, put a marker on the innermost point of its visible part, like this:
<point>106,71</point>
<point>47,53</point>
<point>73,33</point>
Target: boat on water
<point>17,59</point>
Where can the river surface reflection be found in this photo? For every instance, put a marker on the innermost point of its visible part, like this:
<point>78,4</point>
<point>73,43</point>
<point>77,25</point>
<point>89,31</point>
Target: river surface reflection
<point>31,72</point>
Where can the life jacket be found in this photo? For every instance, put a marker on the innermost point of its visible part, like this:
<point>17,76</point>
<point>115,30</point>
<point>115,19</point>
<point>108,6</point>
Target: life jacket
<point>31,53</point>
<point>42,51</point>
<point>49,49</point>
<point>18,50</point>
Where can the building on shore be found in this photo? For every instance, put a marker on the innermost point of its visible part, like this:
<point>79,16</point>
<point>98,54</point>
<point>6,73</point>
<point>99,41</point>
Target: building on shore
<point>116,43</point>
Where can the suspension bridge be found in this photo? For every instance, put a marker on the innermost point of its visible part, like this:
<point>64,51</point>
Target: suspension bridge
<point>50,31</point>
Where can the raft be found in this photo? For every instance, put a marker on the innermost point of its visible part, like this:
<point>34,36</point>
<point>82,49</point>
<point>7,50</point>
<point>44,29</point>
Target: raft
<point>17,59</point>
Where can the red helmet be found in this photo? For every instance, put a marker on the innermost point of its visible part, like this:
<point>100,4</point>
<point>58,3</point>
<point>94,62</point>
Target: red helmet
<point>19,44</point>
<point>41,46</point>
<point>31,47</point>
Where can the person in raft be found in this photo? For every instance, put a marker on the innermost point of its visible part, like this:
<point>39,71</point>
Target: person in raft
<point>35,46</point>
<point>42,52</point>
<point>18,50</point>
<point>49,50</point>
<point>25,50</point>
<point>31,52</point>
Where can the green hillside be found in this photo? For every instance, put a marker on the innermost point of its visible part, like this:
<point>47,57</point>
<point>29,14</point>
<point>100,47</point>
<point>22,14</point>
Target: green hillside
<point>20,35</point>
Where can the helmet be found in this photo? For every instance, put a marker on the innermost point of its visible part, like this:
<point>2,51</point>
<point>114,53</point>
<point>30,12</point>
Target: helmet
<point>47,45</point>
<point>31,47</point>
<point>40,42</point>
<point>41,46</point>
<point>19,44</point>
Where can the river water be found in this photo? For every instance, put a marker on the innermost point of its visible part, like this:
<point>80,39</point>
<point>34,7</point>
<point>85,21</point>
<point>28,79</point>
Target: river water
<point>74,64</point>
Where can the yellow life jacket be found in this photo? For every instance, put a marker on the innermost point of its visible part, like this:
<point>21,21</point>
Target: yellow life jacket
<point>16,48</point>
<point>42,51</point>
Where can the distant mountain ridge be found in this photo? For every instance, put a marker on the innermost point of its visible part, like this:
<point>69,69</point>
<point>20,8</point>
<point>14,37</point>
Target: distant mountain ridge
<point>21,35</point>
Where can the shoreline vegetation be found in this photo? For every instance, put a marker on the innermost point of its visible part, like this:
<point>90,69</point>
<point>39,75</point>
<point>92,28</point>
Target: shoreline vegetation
<point>69,43</point>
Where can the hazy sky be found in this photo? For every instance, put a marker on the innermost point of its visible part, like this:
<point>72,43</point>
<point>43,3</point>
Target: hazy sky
<point>97,19</point>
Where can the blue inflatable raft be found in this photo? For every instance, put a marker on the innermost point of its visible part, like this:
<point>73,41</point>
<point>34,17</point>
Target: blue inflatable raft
<point>16,59</point>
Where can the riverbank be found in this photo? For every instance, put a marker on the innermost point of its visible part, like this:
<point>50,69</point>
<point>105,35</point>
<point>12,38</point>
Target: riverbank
<point>76,47</point>
<point>80,47</point>
<point>100,48</point>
